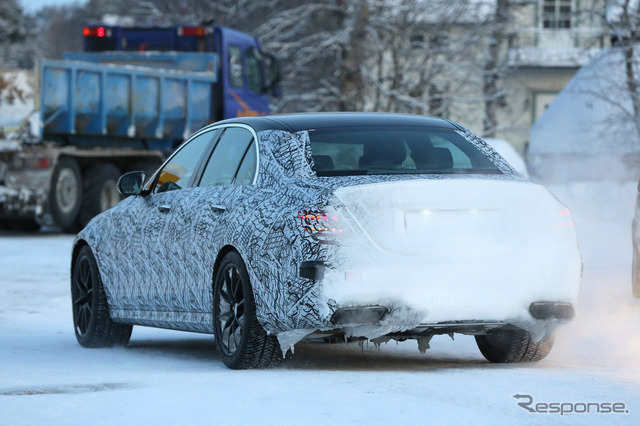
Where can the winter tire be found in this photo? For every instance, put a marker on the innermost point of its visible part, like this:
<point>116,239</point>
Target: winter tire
<point>240,339</point>
<point>99,191</point>
<point>92,322</point>
<point>66,194</point>
<point>513,345</point>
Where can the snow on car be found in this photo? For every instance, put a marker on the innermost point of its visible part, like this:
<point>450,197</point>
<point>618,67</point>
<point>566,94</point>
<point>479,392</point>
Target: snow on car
<point>267,231</point>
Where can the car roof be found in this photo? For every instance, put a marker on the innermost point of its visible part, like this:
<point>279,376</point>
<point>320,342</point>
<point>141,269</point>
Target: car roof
<point>306,121</point>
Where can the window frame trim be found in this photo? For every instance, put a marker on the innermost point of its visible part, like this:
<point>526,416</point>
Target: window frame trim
<point>151,183</point>
<point>223,127</point>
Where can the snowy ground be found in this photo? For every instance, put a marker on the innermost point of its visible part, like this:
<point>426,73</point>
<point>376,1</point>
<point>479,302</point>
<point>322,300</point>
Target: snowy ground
<point>169,377</point>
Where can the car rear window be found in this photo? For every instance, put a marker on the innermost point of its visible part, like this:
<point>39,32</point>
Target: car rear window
<point>383,150</point>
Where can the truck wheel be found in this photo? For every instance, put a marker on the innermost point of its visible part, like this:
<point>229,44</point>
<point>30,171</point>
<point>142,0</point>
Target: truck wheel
<point>241,341</point>
<point>66,194</point>
<point>509,345</point>
<point>100,191</point>
<point>91,319</point>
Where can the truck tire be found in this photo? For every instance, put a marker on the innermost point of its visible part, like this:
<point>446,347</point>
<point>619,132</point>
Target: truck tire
<point>513,345</point>
<point>65,196</point>
<point>99,191</point>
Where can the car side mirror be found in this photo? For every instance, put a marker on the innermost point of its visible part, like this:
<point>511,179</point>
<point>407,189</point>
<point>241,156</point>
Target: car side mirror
<point>131,183</point>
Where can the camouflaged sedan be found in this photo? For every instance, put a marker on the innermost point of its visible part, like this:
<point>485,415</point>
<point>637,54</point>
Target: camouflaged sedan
<point>267,231</point>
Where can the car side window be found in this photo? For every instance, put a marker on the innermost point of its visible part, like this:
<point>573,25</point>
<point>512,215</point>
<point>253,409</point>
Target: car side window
<point>235,66</point>
<point>247,169</point>
<point>255,81</point>
<point>178,172</point>
<point>227,156</point>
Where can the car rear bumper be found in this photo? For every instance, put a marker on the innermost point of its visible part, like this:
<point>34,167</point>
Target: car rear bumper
<point>506,289</point>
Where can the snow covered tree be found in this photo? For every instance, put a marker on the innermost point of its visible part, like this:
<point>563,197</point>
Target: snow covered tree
<point>411,56</point>
<point>13,32</point>
<point>11,22</point>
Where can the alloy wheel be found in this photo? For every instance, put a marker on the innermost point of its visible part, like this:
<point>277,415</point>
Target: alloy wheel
<point>82,295</point>
<point>231,307</point>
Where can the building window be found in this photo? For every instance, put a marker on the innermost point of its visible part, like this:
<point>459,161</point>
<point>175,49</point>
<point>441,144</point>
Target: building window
<point>556,14</point>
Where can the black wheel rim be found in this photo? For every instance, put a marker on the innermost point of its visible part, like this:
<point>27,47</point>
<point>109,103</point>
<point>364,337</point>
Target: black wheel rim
<point>230,320</point>
<point>82,295</point>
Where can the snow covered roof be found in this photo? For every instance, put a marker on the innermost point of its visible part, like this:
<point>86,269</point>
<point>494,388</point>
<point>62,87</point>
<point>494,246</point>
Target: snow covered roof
<point>592,114</point>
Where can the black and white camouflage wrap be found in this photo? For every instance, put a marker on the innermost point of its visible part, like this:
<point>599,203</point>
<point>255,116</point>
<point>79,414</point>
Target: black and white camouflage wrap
<point>158,267</point>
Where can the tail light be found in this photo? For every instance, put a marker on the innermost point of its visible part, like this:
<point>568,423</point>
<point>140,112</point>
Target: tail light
<point>566,220</point>
<point>320,222</point>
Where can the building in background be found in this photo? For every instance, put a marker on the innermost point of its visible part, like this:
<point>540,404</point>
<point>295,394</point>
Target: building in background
<point>549,40</point>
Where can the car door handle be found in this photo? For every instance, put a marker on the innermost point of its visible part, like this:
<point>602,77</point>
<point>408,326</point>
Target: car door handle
<point>218,208</point>
<point>164,207</point>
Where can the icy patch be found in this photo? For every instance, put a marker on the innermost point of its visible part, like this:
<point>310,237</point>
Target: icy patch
<point>68,389</point>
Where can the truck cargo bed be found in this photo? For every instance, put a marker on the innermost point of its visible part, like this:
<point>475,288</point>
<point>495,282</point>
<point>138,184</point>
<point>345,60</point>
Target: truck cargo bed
<point>84,102</point>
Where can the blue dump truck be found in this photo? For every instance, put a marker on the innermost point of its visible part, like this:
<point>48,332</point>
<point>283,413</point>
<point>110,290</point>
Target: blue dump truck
<point>124,103</point>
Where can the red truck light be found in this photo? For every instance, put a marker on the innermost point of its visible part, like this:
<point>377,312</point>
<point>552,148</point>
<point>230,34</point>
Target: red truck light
<point>191,31</point>
<point>96,32</point>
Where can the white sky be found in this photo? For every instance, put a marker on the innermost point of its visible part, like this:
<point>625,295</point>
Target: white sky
<point>33,5</point>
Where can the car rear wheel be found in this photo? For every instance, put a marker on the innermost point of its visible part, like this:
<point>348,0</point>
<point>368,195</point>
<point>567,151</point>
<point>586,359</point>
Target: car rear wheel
<point>240,339</point>
<point>635,274</point>
<point>91,319</point>
<point>513,345</point>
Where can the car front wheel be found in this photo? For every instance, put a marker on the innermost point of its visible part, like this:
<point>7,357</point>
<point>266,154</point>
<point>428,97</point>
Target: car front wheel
<point>240,339</point>
<point>91,319</point>
<point>513,345</point>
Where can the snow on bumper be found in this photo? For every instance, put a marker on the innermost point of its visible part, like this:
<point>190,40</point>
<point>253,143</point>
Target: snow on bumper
<point>436,290</point>
<point>457,251</point>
